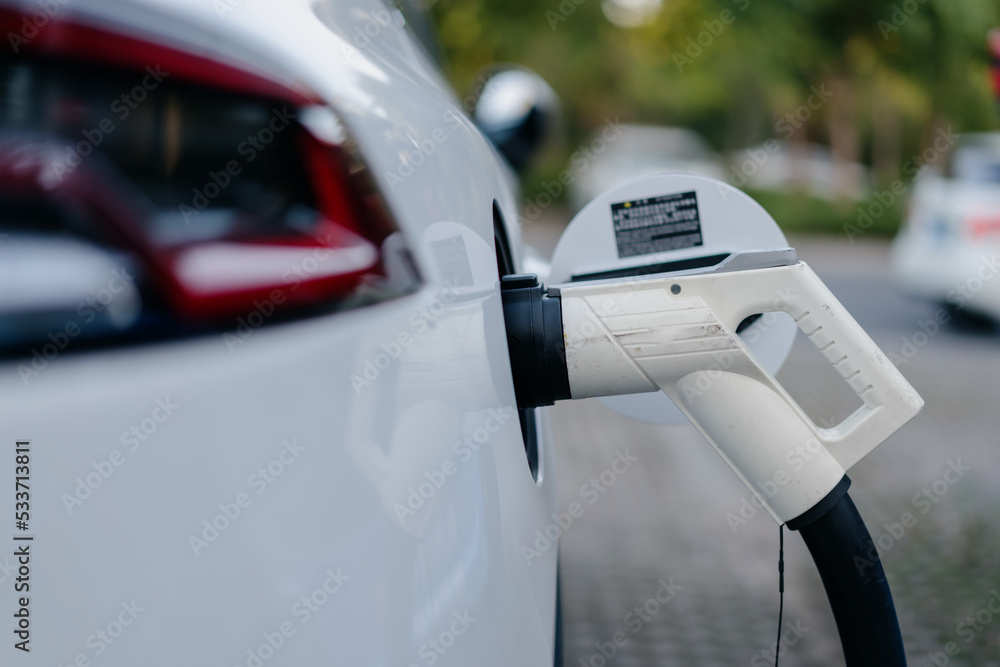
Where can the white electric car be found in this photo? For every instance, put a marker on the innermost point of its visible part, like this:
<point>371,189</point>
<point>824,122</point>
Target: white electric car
<point>256,404</point>
<point>946,250</point>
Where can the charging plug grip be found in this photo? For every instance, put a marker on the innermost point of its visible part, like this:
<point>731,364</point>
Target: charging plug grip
<point>677,334</point>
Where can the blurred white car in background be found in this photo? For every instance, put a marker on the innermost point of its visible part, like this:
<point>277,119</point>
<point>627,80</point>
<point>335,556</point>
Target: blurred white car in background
<point>947,248</point>
<point>253,346</point>
<point>797,166</point>
<point>627,152</point>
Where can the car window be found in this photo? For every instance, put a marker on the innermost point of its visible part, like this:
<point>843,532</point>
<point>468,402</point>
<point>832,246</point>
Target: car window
<point>978,164</point>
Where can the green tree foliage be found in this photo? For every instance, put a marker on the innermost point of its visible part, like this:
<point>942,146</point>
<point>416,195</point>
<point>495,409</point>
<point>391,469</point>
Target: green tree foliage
<point>733,69</point>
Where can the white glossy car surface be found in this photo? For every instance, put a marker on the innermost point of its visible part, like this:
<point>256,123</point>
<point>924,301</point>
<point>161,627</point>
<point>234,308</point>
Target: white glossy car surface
<point>347,489</point>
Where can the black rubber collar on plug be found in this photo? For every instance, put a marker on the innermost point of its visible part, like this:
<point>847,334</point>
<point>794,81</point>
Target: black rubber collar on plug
<point>817,511</point>
<point>535,341</point>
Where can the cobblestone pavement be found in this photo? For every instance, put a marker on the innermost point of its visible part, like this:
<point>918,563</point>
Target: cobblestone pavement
<point>662,525</point>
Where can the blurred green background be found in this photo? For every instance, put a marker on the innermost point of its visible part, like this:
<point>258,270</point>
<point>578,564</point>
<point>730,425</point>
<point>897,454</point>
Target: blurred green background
<point>893,74</point>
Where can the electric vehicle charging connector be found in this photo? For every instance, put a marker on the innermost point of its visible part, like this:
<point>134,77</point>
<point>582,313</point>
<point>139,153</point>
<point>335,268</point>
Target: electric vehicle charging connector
<point>677,333</point>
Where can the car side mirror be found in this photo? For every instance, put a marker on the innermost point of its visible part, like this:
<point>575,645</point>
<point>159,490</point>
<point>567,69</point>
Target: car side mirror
<point>518,111</point>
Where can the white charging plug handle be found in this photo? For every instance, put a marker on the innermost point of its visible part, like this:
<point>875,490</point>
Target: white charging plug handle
<point>678,334</point>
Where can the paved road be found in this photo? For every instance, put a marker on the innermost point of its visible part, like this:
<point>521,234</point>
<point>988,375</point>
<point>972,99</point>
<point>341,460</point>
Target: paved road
<point>661,529</point>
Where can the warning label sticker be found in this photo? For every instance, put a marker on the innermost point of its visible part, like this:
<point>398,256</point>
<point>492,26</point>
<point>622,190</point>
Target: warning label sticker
<point>657,224</point>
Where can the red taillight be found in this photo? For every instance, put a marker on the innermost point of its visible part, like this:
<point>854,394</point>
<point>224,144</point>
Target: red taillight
<point>231,278</point>
<point>982,225</point>
<point>82,43</point>
<point>212,279</point>
<point>222,208</point>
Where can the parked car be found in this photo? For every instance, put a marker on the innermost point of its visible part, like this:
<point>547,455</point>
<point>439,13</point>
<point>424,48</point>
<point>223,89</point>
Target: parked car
<point>620,153</point>
<point>946,249</point>
<point>255,394</point>
<point>786,166</point>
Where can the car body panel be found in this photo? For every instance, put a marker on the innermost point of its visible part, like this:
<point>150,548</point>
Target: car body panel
<point>359,409</point>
